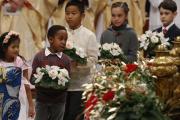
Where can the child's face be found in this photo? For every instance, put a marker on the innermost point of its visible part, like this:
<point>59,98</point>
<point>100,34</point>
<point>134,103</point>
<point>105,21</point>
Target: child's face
<point>73,17</point>
<point>13,50</point>
<point>118,16</point>
<point>167,16</point>
<point>58,42</point>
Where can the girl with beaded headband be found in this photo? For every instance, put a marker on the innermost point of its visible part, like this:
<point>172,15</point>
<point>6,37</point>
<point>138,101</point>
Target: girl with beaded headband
<point>9,57</point>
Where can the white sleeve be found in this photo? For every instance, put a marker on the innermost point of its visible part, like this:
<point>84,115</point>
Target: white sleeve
<point>92,50</point>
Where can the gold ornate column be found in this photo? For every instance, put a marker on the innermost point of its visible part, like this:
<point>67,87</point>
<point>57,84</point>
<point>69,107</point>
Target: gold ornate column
<point>173,104</point>
<point>175,53</point>
<point>163,67</point>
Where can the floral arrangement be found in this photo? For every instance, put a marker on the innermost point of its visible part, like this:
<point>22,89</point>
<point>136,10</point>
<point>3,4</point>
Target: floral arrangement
<point>76,53</point>
<point>8,36</point>
<point>51,77</point>
<point>152,39</point>
<point>2,75</point>
<point>122,93</point>
<point>111,51</point>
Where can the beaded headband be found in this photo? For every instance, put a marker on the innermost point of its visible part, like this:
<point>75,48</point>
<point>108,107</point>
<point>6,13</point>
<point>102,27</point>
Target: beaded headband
<point>8,36</point>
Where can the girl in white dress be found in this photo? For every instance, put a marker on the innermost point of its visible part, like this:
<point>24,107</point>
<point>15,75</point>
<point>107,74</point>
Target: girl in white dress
<point>9,56</point>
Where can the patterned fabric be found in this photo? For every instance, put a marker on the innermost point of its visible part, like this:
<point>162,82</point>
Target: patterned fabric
<point>9,92</point>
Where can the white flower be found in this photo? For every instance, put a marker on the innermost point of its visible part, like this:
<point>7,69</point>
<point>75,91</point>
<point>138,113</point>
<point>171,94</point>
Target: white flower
<point>123,93</point>
<point>53,74</point>
<point>38,70</point>
<point>115,46</point>
<point>87,86</point>
<point>121,86</point>
<point>48,68</point>
<point>154,34</point>
<point>104,77</point>
<point>161,35</point>
<point>106,46</point>
<point>55,68</point>
<point>99,86</point>
<point>115,52</point>
<point>144,45</point>
<point>154,39</point>
<point>38,77</point>
<point>111,117</point>
<point>62,82</point>
<point>64,73</point>
<point>80,52</point>
<point>143,38</point>
<point>112,109</point>
<point>62,78</point>
<point>164,41</point>
<point>149,33</point>
<point>69,45</point>
<point>143,85</point>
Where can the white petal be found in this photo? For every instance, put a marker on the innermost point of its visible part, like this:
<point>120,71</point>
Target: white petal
<point>112,109</point>
<point>111,117</point>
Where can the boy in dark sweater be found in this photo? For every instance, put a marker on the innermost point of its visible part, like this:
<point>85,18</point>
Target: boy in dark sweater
<point>50,103</point>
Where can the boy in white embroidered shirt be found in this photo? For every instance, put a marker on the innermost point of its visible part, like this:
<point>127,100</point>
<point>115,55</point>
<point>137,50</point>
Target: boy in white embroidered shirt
<point>85,39</point>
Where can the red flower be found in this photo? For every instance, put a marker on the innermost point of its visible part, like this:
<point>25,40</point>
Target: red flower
<point>91,102</point>
<point>130,68</point>
<point>108,96</point>
<point>89,105</point>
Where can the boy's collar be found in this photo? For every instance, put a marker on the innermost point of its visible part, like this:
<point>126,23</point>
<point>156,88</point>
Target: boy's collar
<point>167,27</point>
<point>77,29</point>
<point>48,52</point>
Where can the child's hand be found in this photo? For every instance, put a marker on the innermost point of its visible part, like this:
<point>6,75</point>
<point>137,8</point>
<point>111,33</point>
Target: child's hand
<point>31,111</point>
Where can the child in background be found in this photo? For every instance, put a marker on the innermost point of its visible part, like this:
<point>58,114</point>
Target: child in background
<point>168,12</point>
<point>9,56</point>
<point>50,103</point>
<point>83,38</point>
<point>120,32</point>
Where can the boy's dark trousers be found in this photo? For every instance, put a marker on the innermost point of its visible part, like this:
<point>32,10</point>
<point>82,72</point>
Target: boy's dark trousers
<point>74,109</point>
<point>49,111</point>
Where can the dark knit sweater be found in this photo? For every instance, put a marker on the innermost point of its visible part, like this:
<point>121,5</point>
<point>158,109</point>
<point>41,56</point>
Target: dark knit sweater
<point>49,95</point>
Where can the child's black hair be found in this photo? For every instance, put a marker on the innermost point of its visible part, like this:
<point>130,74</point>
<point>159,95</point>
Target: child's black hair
<point>4,46</point>
<point>54,29</point>
<point>169,5</point>
<point>123,5</point>
<point>76,3</point>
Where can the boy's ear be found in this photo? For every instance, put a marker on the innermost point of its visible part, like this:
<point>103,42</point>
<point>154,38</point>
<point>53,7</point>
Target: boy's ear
<point>126,17</point>
<point>83,15</point>
<point>50,39</point>
<point>175,13</point>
